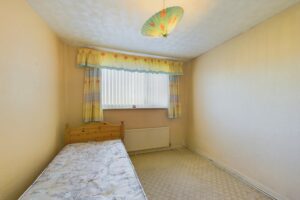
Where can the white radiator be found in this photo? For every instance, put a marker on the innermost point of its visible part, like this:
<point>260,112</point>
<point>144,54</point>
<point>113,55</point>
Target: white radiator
<point>147,138</point>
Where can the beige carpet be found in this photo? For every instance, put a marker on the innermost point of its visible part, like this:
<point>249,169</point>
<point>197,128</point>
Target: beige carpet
<point>183,175</point>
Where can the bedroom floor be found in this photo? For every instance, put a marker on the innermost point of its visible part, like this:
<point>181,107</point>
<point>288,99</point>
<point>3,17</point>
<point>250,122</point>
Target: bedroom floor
<point>182,175</point>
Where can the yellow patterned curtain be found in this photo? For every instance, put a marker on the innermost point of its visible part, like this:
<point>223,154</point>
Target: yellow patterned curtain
<point>92,110</point>
<point>98,59</point>
<point>174,110</point>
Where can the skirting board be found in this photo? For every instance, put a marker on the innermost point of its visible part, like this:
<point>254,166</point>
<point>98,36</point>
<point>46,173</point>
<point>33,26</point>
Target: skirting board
<point>155,150</point>
<point>249,181</point>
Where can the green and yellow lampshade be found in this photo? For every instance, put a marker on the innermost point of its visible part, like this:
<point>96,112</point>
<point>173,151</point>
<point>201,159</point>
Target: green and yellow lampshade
<point>163,23</point>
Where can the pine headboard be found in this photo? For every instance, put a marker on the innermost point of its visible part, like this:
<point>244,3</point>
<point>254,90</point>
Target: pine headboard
<point>97,131</point>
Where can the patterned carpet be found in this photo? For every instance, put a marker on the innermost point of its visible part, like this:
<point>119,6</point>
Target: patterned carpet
<point>183,175</point>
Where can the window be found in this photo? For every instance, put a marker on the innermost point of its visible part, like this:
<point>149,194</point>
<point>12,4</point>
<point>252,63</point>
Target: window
<point>123,89</point>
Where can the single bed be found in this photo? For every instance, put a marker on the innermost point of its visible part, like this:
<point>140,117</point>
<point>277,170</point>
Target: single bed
<point>94,165</point>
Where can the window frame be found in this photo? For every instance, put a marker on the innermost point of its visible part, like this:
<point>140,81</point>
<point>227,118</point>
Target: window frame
<point>134,107</point>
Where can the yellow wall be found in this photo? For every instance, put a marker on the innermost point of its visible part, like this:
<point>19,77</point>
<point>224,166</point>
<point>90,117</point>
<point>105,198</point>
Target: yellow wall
<point>246,104</point>
<point>31,97</point>
<point>140,118</point>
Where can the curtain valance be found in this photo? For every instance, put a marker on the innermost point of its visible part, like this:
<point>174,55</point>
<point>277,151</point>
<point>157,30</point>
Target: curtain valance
<point>99,59</point>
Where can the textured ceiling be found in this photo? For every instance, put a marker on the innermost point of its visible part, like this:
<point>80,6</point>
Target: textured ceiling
<point>116,24</point>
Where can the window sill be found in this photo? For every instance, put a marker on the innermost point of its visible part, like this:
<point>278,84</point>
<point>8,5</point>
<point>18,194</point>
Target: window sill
<point>134,109</point>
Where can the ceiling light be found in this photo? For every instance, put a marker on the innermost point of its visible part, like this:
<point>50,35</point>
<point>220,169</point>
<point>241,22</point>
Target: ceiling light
<point>163,22</point>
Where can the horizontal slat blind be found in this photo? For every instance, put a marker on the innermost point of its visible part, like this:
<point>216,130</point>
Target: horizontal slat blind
<point>124,89</point>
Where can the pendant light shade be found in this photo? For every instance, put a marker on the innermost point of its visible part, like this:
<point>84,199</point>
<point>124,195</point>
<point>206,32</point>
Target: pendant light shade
<point>163,23</point>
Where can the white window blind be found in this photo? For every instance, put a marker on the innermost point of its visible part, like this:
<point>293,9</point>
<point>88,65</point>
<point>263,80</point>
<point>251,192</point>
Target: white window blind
<point>124,89</point>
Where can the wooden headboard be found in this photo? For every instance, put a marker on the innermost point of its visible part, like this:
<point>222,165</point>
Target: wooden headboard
<point>98,131</point>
